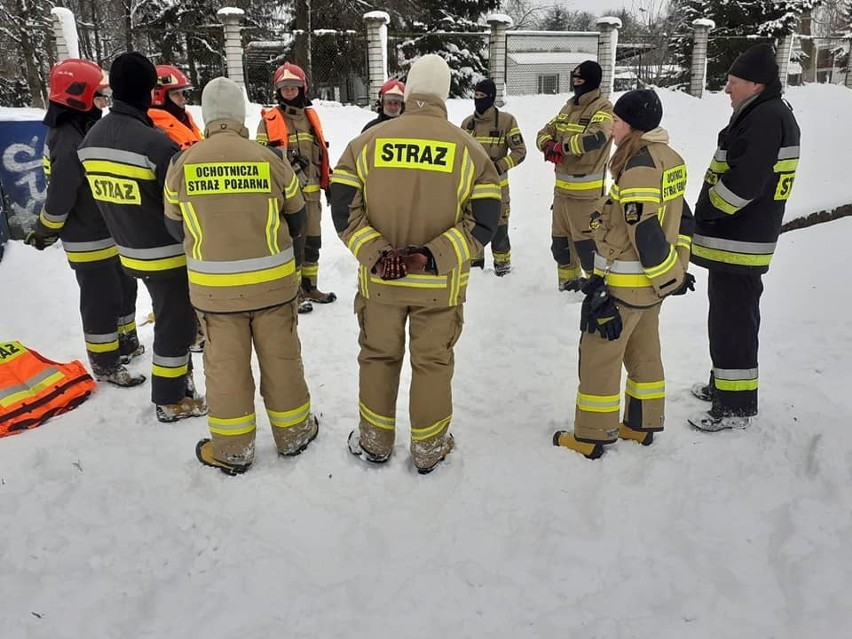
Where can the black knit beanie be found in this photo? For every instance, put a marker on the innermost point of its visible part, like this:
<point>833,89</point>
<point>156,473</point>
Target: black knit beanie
<point>591,72</point>
<point>132,77</point>
<point>756,64</point>
<point>488,87</point>
<point>641,109</point>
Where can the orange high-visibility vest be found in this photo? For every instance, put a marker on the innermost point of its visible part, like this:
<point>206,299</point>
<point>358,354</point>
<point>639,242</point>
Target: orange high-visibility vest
<point>33,389</point>
<point>276,131</point>
<point>182,135</point>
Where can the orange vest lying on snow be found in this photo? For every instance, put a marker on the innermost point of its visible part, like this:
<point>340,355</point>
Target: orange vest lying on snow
<point>276,129</point>
<point>33,389</point>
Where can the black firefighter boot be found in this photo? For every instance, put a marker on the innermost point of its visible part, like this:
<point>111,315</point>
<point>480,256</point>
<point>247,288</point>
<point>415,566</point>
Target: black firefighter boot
<point>312,294</point>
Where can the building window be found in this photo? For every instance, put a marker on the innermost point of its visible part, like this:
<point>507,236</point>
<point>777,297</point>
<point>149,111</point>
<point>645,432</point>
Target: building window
<point>548,83</point>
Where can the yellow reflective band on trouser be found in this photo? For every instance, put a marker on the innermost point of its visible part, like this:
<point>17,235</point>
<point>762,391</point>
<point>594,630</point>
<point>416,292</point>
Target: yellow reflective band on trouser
<point>458,243</point>
<point>289,418</point>
<point>414,153</point>
<point>119,169</point>
<point>361,237</point>
<point>598,403</point>
<point>664,267</point>
<point>502,258</point>
<point>232,426</point>
<point>170,367</point>
<point>345,177</point>
<point>310,270</point>
<point>54,222</point>
<point>101,343</point>
<point>126,323</point>
<point>420,434</point>
<point>374,419</point>
<point>30,387</point>
<point>735,379</point>
<point>645,390</point>
<point>242,272</point>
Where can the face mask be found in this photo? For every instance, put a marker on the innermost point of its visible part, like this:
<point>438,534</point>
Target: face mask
<point>483,104</point>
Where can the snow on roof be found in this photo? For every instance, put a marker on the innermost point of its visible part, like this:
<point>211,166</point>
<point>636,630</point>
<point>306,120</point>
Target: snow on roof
<point>550,57</point>
<point>704,22</point>
<point>500,17</point>
<point>616,22</point>
<point>377,15</point>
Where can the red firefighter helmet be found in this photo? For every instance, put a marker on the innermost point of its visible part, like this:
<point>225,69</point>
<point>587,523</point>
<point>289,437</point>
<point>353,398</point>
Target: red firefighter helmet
<point>392,87</point>
<point>169,78</point>
<point>74,82</point>
<point>289,74</point>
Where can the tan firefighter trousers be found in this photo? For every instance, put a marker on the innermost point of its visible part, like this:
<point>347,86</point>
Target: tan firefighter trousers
<point>433,333</point>
<point>598,399</point>
<point>573,247</point>
<point>230,385</point>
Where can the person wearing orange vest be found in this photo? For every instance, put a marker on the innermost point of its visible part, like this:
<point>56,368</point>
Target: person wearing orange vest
<point>295,127</point>
<point>168,107</point>
<point>33,389</point>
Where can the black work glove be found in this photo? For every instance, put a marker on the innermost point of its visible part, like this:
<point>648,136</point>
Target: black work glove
<point>688,284</point>
<point>390,265</point>
<point>301,161</point>
<point>39,240</point>
<point>601,313</point>
<point>419,259</point>
<point>497,167</point>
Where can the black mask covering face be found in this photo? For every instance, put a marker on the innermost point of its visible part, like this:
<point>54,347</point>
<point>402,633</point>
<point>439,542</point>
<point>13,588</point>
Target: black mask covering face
<point>490,90</point>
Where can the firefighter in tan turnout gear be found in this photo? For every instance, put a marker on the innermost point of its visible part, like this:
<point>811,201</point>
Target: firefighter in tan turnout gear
<point>294,126</point>
<point>578,142</point>
<point>643,238</point>
<point>237,207</point>
<point>498,133</point>
<point>414,199</point>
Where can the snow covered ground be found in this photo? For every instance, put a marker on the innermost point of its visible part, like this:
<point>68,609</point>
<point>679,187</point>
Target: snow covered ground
<point>109,527</point>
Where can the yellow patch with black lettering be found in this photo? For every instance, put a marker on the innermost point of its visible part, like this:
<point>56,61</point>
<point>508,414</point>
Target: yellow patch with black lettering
<point>221,178</point>
<point>785,186</point>
<point>114,190</point>
<point>674,182</point>
<point>409,153</point>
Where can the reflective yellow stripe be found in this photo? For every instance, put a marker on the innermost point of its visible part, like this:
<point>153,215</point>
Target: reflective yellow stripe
<point>601,116</point>
<point>193,226</point>
<point>232,426</point>
<point>289,418</point>
<point>32,388</point>
<point>169,371</point>
<point>162,264</point>
<point>646,390</point>
<point>721,204</point>
<point>420,434</point>
<point>598,403</point>
<point>102,348</point>
<point>243,279</point>
<point>311,188</point>
<point>459,244</point>
<point>786,166</point>
<point>362,166</point>
<point>292,188</point>
<point>374,419</point>
<point>361,237</point>
<point>483,191</point>
<point>91,256</point>
<point>171,196</point>
<point>579,186</point>
<point>414,281</point>
<point>684,241</point>
<point>510,163</point>
<point>624,280</point>
<point>117,168</point>
<point>566,274</point>
<point>719,167</point>
<point>727,257</point>
<point>54,222</point>
<point>344,177</point>
<point>273,222</point>
<point>569,127</point>
<point>666,265</point>
<point>736,385</point>
<point>465,183</point>
<point>639,194</point>
<point>574,144</point>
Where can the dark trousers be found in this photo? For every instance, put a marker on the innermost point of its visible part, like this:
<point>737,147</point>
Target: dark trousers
<point>174,331</point>
<point>733,324</point>
<point>107,293</point>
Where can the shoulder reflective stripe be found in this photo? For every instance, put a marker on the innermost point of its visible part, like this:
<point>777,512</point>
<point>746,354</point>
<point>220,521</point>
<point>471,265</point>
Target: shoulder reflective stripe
<point>116,155</point>
<point>361,237</point>
<point>233,426</point>
<point>32,386</point>
<point>223,267</point>
<point>458,243</point>
<point>645,390</point>
<point>374,419</point>
<point>422,434</point>
<point>619,266</point>
<point>415,153</point>
<point>754,248</point>
<point>289,418</point>
<point>52,221</point>
<point>598,403</point>
<point>666,265</point>
<point>788,152</point>
<point>725,199</point>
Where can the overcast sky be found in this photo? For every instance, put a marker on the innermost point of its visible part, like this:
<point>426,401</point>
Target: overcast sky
<point>599,7</point>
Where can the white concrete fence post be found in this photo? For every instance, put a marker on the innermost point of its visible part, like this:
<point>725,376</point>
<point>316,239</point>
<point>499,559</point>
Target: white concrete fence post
<point>377,51</point>
<point>65,34</point>
<point>607,42</point>
<point>232,19</point>
<point>499,24</point>
<point>782,57</point>
<point>848,81</point>
<point>698,70</point>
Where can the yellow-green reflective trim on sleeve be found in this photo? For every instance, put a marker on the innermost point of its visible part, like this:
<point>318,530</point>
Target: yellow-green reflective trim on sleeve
<point>292,188</point>
<point>345,177</point>
<point>640,194</point>
<point>421,434</point>
<point>458,243</point>
<point>598,403</point>
<point>684,241</point>
<point>483,191</point>
<point>786,166</point>
<point>54,222</point>
<point>190,220</point>
<point>601,116</point>
<point>360,237</point>
<point>171,196</point>
<point>720,203</point>
<point>666,265</point>
<point>232,426</point>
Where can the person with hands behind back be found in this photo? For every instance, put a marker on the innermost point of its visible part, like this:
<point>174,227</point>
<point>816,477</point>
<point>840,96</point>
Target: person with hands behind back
<point>642,238</point>
<point>414,199</point>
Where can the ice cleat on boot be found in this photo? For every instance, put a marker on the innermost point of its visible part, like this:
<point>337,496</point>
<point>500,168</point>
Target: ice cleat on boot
<point>187,407</point>
<point>354,443</point>
<point>231,467</point>
<point>118,376</point>
<point>446,444</point>
<point>477,262</point>
<point>502,268</point>
<point>299,446</point>
<point>702,391</point>
<point>590,450</point>
<point>644,437</point>
<point>711,422</point>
